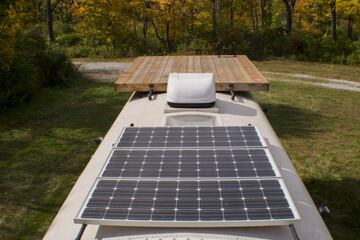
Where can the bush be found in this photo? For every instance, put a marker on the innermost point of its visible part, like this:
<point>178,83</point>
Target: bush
<point>324,49</point>
<point>102,51</point>
<point>56,67</point>
<point>34,65</point>
<point>354,57</point>
<point>69,39</point>
<point>259,45</point>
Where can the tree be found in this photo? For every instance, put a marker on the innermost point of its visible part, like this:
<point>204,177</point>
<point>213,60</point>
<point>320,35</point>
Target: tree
<point>333,19</point>
<point>215,7</point>
<point>50,8</point>
<point>349,10</point>
<point>101,23</point>
<point>290,9</point>
<point>50,20</point>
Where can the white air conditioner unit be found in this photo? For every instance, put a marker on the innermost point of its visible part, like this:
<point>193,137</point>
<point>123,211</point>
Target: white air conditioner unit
<point>191,90</point>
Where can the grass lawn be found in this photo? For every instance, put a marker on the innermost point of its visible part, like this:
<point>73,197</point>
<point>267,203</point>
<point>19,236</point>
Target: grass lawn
<point>45,144</point>
<point>320,130</point>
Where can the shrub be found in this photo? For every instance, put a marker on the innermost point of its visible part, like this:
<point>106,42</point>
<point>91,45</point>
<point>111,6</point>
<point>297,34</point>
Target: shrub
<point>34,65</point>
<point>259,45</point>
<point>69,39</point>
<point>55,67</point>
<point>354,57</point>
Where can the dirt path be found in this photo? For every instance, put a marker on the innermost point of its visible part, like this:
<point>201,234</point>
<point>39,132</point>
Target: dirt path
<point>102,71</point>
<point>315,80</point>
<point>110,71</point>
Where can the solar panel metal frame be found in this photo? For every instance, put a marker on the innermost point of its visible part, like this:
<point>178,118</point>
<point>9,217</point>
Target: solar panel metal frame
<point>268,154</point>
<point>190,224</point>
<point>198,223</point>
<point>262,141</point>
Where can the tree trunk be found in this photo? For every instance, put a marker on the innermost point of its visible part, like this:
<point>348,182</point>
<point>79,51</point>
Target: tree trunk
<point>290,6</point>
<point>256,16</point>
<point>69,12</point>
<point>333,20</point>
<point>232,20</point>
<point>350,27</point>
<point>50,20</point>
<point>252,14</point>
<point>168,43</point>
<point>214,20</point>
<point>135,29</point>
<point>145,28</point>
<point>157,33</point>
<point>262,8</point>
<point>232,33</point>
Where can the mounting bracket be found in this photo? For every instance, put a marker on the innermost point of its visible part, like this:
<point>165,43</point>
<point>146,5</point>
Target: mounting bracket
<point>231,86</point>
<point>151,92</point>
<point>293,232</point>
<point>81,232</point>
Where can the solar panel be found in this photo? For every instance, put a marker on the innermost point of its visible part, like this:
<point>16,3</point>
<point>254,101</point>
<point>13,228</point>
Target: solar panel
<point>189,177</point>
<point>233,202</point>
<point>190,137</point>
<point>200,163</point>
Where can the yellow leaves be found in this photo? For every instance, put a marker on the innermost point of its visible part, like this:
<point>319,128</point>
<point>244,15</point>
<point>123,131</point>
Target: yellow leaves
<point>7,49</point>
<point>104,20</point>
<point>165,2</point>
<point>20,14</point>
<point>349,7</point>
<point>16,19</point>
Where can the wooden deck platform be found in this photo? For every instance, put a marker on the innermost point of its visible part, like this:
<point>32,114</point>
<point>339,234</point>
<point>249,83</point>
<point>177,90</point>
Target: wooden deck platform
<point>230,73</point>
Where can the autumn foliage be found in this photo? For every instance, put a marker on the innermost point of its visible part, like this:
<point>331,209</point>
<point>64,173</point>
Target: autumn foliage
<point>316,30</point>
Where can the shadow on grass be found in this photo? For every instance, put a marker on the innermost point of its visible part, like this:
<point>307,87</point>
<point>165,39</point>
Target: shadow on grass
<point>342,198</point>
<point>289,121</point>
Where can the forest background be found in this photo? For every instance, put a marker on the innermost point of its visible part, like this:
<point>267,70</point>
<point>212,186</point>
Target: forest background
<point>38,37</point>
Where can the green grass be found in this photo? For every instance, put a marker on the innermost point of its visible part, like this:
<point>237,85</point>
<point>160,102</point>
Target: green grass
<point>44,146</point>
<point>320,130</point>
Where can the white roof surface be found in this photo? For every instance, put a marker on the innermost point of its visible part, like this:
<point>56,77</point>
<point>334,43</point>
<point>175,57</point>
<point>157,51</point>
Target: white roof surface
<point>142,113</point>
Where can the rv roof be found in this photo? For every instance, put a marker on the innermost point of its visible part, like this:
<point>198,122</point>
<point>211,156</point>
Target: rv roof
<point>141,112</point>
<point>230,73</point>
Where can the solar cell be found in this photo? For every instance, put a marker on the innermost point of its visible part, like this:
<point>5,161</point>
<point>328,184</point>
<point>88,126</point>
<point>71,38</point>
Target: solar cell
<point>200,163</point>
<point>190,137</point>
<point>188,201</point>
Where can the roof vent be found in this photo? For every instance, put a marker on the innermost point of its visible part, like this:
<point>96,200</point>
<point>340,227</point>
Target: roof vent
<point>191,90</point>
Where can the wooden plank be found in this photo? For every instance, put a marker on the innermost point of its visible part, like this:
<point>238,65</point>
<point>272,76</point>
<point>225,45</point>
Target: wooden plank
<point>227,68</point>
<point>234,69</point>
<point>155,70</point>
<point>197,64</point>
<point>251,70</point>
<point>126,77</point>
<point>190,64</point>
<point>143,70</point>
<point>163,76</point>
<point>205,65</point>
<point>138,69</point>
<point>222,77</point>
<point>176,66</point>
<point>161,87</point>
<point>183,64</point>
<point>238,72</point>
